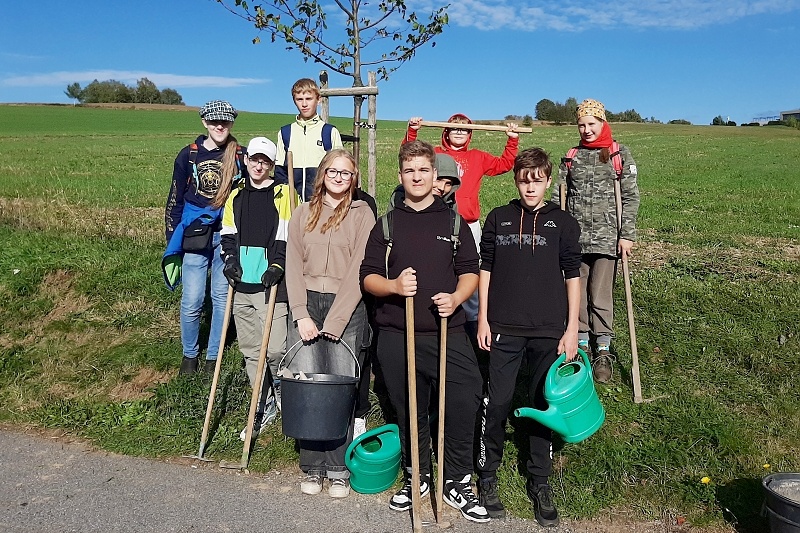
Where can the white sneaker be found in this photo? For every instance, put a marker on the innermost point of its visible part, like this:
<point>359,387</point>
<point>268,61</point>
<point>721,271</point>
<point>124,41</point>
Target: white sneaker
<point>339,488</point>
<point>459,495</point>
<point>312,484</point>
<point>359,427</point>
<point>261,422</point>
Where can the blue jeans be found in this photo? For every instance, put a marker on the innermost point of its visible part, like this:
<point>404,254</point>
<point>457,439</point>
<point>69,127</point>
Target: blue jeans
<point>194,277</point>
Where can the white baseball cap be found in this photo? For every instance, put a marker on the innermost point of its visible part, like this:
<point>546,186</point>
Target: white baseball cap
<point>262,145</point>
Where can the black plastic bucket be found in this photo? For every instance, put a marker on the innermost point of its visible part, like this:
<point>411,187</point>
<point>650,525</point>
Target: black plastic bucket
<point>783,502</point>
<point>320,408</point>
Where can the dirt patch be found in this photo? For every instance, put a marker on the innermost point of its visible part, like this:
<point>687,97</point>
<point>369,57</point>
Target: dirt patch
<point>138,387</point>
<point>138,223</point>
<point>57,286</point>
<point>157,107</point>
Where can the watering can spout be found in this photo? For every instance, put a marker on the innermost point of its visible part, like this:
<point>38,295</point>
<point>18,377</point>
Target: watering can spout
<point>550,418</point>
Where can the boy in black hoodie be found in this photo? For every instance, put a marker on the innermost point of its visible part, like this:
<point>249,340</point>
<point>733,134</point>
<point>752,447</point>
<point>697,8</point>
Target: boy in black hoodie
<point>530,256</point>
<point>422,263</point>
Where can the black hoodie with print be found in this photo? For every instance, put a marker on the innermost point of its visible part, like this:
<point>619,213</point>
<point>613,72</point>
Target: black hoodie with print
<point>527,295</point>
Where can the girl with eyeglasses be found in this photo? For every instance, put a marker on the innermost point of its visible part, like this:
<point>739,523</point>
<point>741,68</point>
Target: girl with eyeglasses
<point>327,238</point>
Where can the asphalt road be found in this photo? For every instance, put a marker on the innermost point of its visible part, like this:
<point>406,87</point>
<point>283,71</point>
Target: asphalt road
<point>54,484</point>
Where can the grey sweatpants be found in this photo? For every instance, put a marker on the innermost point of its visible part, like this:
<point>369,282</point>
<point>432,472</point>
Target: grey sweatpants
<point>250,313</point>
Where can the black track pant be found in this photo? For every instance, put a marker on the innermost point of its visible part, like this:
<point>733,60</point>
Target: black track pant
<point>505,359</point>
<point>462,396</point>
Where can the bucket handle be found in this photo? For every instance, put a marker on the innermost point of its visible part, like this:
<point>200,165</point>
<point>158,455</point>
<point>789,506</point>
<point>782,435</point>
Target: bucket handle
<point>298,343</point>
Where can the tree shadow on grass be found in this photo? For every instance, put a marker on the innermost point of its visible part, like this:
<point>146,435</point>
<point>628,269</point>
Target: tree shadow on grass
<point>741,502</point>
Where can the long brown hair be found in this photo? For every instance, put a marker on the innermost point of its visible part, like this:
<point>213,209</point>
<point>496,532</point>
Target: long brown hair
<point>315,205</point>
<point>230,168</point>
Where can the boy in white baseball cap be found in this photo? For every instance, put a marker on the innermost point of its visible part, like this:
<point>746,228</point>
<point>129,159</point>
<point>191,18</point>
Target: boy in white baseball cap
<point>254,229</point>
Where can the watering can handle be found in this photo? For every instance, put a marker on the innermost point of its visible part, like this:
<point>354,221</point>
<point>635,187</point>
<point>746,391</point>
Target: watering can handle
<point>551,374</point>
<point>298,343</point>
<point>388,428</point>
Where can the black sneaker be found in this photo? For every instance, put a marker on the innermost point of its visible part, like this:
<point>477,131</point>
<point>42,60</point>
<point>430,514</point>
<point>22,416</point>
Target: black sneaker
<point>458,494</point>
<point>210,366</point>
<point>488,498</point>
<point>401,501</point>
<point>189,365</point>
<point>543,507</point>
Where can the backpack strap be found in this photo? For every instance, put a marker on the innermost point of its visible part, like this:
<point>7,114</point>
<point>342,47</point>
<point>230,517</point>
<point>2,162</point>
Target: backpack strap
<point>616,159</point>
<point>193,161</point>
<point>327,143</point>
<point>286,135</point>
<point>239,159</point>
<point>455,241</point>
<point>569,157</point>
<point>386,222</point>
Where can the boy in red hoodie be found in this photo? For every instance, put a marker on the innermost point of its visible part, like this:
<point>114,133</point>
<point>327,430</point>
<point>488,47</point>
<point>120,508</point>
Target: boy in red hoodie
<point>474,165</point>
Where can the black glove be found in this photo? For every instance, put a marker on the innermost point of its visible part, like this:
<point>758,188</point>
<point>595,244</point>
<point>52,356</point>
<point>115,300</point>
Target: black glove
<point>233,270</point>
<point>272,276</point>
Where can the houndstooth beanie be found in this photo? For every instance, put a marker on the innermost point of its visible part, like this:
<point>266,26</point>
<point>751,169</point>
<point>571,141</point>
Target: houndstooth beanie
<point>218,110</point>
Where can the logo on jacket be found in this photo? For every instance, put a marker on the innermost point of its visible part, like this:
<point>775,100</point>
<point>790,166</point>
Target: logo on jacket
<point>550,224</point>
<point>505,223</point>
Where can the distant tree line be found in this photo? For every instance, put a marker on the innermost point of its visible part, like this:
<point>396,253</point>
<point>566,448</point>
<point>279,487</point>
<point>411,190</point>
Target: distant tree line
<point>113,91</point>
<point>720,121</point>
<point>565,113</point>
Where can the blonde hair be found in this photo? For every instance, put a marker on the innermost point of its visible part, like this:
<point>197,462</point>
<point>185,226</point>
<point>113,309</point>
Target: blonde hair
<point>315,205</point>
<point>305,85</point>
<point>230,168</point>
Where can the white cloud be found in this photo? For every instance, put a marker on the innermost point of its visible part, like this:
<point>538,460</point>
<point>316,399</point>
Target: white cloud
<point>577,15</point>
<point>173,81</point>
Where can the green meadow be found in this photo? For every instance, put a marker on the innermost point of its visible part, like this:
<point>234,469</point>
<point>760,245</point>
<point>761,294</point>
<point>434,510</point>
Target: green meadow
<point>90,344</point>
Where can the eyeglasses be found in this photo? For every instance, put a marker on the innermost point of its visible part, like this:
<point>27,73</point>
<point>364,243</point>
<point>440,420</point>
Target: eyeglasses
<point>262,162</point>
<point>458,130</point>
<point>345,174</point>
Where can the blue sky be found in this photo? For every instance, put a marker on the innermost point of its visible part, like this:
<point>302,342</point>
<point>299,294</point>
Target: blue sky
<point>670,59</point>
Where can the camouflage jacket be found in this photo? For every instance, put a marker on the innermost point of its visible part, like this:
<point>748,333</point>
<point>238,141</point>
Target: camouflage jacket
<point>590,199</point>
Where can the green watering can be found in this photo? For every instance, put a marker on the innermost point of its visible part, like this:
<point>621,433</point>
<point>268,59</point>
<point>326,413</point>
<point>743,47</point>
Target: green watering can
<point>574,411</point>
<point>374,459</point>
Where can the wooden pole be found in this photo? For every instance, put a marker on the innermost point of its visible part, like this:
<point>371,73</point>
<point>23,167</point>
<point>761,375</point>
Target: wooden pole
<point>485,127</point>
<point>637,383</point>
<point>325,103</point>
<point>440,442</point>
<point>411,356</point>
<point>290,173</point>
<point>372,120</point>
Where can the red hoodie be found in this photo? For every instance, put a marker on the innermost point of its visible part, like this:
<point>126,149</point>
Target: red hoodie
<point>473,165</point>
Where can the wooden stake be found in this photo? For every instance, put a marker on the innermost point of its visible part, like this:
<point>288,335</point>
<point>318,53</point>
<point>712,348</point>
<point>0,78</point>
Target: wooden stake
<point>484,127</point>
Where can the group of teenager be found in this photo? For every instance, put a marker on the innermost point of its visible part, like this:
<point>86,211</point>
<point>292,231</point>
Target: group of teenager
<point>535,282</point>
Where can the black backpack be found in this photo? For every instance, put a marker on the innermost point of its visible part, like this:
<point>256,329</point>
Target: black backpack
<point>386,222</point>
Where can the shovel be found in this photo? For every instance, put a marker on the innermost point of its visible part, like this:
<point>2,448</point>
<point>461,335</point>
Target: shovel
<point>215,380</point>
<point>411,356</point>
<point>255,397</point>
<point>637,383</point>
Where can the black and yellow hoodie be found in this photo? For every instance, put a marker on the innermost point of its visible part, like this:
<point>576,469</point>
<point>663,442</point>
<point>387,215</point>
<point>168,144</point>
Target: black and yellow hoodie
<point>255,225</point>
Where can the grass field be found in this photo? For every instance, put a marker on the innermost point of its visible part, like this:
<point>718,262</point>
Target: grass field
<point>89,336</point>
